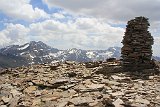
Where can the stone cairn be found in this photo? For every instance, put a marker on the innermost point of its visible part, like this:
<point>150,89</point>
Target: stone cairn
<point>137,45</point>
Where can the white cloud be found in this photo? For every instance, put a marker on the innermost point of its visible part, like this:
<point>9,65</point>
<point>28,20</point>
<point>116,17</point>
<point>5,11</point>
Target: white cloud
<point>84,33</point>
<point>58,16</point>
<point>90,31</point>
<point>13,34</point>
<point>21,9</point>
<point>117,10</point>
<point>4,40</point>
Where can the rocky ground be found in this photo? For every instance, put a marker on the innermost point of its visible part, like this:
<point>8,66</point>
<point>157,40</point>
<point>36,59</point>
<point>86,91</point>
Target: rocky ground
<point>72,84</point>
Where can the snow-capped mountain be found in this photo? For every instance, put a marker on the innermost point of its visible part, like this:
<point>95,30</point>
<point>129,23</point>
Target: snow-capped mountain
<point>72,55</point>
<point>102,55</point>
<point>33,52</point>
<point>39,52</point>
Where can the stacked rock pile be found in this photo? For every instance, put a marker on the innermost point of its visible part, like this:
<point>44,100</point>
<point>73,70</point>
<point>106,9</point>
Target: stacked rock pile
<point>137,49</point>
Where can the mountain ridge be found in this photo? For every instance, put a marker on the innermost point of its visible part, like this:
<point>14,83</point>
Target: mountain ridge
<point>39,52</point>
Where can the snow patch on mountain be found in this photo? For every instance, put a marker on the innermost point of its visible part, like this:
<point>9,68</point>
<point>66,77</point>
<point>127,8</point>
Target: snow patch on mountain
<point>23,46</point>
<point>91,54</point>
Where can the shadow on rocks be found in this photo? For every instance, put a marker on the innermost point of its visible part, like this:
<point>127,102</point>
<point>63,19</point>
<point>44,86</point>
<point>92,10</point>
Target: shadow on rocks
<point>144,74</point>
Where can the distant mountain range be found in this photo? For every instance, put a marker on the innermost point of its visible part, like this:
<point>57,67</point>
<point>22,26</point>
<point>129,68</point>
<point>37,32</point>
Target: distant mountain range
<point>38,53</point>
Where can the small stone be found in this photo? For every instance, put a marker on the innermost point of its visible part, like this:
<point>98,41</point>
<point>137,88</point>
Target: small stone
<point>3,106</point>
<point>37,93</point>
<point>63,104</point>
<point>70,62</point>
<point>151,77</point>
<point>138,105</point>
<point>141,100</point>
<point>118,103</point>
<point>36,102</point>
<point>113,83</point>
<point>30,83</point>
<point>30,89</point>
<point>66,87</point>
<point>91,88</point>
<point>87,82</point>
<point>106,96</point>
<point>142,92</point>
<point>118,93</point>
<point>158,97</point>
<point>81,101</point>
<point>13,102</point>
<point>50,97</point>
<point>75,95</point>
<point>96,86</point>
<point>59,81</point>
<point>6,99</point>
<point>130,100</point>
<point>115,77</point>
<point>53,98</point>
<point>25,103</point>
<point>15,92</point>
<point>96,104</point>
<point>109,91</point>
<point>141,82</point>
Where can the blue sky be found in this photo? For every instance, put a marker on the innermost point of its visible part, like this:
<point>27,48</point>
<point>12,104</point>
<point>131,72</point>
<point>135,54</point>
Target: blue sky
<point>85,24</point>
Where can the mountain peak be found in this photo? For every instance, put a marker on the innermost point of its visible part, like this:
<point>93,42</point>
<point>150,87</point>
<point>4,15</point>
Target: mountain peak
<point>40,43</point>
<point>34,42</point>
